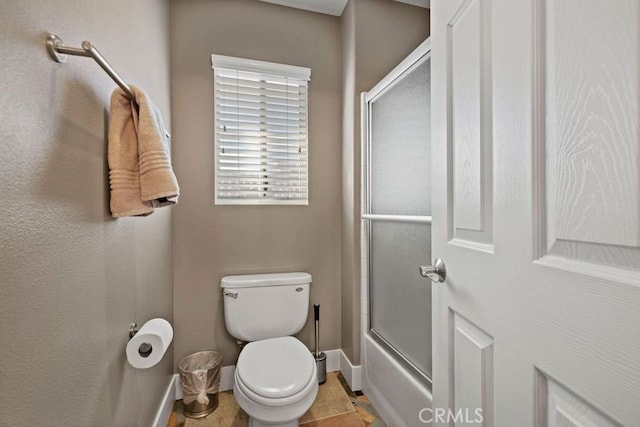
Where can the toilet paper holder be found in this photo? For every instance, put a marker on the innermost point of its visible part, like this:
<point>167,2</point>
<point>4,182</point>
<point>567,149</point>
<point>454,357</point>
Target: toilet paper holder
<point>133,329</point>
<point>145,348</point>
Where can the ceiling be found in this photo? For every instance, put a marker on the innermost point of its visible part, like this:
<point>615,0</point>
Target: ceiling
<point>333,7</point>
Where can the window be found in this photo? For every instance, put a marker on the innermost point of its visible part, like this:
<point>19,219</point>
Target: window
<point>260,132</point>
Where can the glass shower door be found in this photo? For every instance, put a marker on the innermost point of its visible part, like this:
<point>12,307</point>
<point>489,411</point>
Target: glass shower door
<point>397,212</point>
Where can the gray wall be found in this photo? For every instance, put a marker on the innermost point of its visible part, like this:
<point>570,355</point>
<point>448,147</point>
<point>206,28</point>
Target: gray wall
<point>214,241</point>
<point>376,36</point>
<point>72,277</point>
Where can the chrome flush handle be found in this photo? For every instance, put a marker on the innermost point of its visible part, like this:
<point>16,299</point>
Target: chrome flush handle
<point>230,294</point>
<point>436,272</point>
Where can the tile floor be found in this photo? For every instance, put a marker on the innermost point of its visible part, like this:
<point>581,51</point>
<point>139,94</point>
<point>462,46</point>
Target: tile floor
<point>335,406</point>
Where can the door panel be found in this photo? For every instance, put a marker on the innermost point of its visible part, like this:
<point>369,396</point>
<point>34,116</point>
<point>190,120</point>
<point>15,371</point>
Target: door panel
<point>559,407</point>
<point>464,70</point>
<point>591,151</point>
<point>549,290</point>
<point>472,351</point>
<point>468,74</point>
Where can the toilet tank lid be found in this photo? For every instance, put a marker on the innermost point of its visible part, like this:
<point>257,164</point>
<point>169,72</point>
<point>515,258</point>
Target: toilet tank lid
<point>269,279</point>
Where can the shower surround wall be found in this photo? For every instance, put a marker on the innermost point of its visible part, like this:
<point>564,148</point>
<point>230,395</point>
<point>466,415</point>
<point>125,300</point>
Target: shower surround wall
<point>214,241</point>
<point>73,278</point>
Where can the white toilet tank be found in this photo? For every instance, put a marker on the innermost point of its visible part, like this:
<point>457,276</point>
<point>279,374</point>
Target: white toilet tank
<point>261,306</point>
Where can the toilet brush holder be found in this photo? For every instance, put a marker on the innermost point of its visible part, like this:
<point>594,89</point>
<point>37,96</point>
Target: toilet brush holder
<point>320,356</point>
<point>321,365</point>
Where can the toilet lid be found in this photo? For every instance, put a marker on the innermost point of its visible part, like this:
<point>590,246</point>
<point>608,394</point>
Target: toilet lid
<point>276,367</point>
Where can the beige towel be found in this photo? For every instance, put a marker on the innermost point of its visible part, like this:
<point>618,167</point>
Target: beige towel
<point>140,172</point>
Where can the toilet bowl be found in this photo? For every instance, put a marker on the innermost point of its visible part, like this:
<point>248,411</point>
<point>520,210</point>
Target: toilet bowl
<point>276,375</point>
<point>275,381</point>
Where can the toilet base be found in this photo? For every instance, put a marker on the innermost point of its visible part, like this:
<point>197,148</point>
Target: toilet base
<point>256,423</point>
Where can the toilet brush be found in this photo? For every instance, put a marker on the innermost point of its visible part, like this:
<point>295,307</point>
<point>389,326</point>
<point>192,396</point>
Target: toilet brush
<point>321,358</point>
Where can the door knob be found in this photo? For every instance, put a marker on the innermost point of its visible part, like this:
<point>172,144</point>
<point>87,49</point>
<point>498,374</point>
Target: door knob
<point>436,272</point>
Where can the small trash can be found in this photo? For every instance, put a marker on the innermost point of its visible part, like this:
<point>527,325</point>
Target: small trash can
<point>200,376</point>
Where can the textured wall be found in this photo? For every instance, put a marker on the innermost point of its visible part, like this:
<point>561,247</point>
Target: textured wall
<point>72,277</point>
<point>214,241</point>
<point>376,36</point>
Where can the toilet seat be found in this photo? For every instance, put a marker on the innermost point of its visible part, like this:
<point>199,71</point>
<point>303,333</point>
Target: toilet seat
<point>276,371</point>
<point>310,389</point>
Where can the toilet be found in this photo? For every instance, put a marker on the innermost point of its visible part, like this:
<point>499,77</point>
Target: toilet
<point>275,377</point>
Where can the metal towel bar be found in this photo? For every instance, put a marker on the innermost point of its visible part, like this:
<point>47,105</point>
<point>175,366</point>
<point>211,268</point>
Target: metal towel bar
<point>59,53</point>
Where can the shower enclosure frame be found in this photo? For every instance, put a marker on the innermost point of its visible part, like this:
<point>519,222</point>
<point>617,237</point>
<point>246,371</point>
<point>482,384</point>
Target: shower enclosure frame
<point>385,369</point>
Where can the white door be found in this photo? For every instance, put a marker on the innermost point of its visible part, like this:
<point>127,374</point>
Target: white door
<point>536,212</point>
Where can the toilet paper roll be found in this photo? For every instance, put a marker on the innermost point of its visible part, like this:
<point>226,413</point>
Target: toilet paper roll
<point>147,347</point>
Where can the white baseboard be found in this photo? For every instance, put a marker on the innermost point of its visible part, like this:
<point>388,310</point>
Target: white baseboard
<point>166,404</point>
<point>178,384</point>
<point>336,361</point>
<point>352,373</point>
<point>227,379</point>
<point>333,360</point>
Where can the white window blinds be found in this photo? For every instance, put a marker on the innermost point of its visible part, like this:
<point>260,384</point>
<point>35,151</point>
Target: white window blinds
<point>260,132</point>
